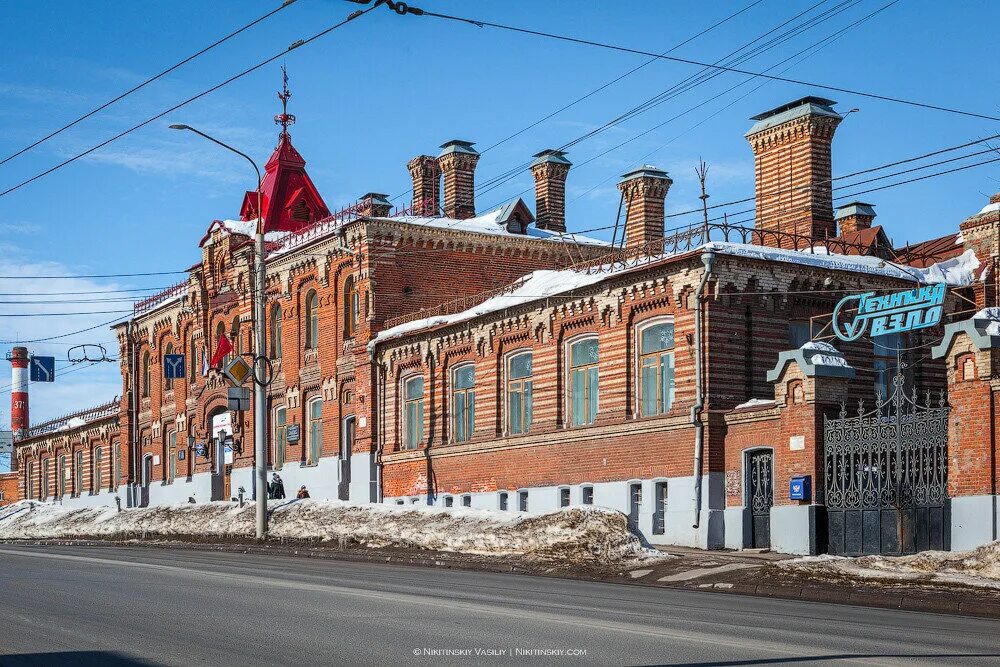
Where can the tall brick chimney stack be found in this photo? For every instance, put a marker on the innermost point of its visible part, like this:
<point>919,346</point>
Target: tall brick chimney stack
<point>458,164</point>
<point>645,190</point>
<point>854,217</point>
<point>791,146</point>
<point>549,169</point>
<point>426,175</point>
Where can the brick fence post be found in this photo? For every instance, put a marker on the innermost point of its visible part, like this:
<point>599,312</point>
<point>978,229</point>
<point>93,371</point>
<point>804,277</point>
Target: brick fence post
<point>971,350</point>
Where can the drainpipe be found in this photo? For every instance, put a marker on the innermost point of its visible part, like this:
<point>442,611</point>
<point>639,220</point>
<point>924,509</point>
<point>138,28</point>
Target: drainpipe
<point>383,372</point>
<point>708,259</point>
<point>133,415</point>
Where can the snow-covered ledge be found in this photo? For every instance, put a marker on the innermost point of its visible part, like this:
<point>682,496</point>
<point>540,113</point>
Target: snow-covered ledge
<point>816,359</point>
<point>983,329</point>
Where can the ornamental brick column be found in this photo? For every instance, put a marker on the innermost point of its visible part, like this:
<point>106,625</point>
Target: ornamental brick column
<point>971,350</point>
<point>808,383</point>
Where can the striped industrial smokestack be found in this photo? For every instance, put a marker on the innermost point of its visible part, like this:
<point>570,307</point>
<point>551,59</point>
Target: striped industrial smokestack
<point>19,393</point>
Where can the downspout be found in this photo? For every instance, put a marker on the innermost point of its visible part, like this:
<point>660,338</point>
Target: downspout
<point>379,430</point>
<point>133,416</point>
<point>708,259</point>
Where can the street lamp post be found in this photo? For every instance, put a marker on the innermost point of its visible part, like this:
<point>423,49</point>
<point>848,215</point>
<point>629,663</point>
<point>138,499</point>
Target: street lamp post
<point>260,345</point>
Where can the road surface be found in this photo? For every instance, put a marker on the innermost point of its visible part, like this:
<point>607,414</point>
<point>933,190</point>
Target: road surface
<point>137,606</point>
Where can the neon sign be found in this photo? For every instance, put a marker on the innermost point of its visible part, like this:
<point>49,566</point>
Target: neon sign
<point>890,313</point>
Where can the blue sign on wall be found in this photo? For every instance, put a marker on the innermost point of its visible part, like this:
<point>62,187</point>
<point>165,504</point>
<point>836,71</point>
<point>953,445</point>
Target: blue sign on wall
<point>890,313</point>
<point>293,433</point>
<point>43,369</point>
<point>173,366</point>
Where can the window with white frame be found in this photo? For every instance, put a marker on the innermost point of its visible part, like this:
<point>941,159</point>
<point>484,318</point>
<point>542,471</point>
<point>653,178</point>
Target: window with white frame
<point>587,495</point>
<point>315,410</point>
<point>312,321</point>
<point>656,368</point>
<point>280,435</point>
<point>145,374</point>
<point>519,393</point>
<point>77,474</point>
<point>413,412</point>
<point>583,381</point>
<point>276,331</point>
<point>171,457</point>
<point>97,463</point>
<point>463,402</point>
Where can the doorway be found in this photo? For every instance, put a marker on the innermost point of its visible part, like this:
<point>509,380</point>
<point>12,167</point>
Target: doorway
<point>147,475</point>
<point>760,496</point>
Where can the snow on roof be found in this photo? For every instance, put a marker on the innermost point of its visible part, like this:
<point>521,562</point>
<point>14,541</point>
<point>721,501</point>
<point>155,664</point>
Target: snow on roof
<point>992,315</point>
<point>990,208</point>
<point>546,283</point>
<point>821,353</point>
<point>755,403</point>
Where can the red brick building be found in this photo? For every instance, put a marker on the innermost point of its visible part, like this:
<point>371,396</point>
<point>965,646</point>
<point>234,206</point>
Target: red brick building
<point>440,356</point>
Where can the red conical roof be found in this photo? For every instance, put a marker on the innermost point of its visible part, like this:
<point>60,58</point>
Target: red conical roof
<point>290,200</point>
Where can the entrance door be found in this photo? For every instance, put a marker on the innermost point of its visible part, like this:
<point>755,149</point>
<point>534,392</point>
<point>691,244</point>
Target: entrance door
<point>760,496</point>
<point>227,489</point>
<point>348,435</point>
<point>147,475</point>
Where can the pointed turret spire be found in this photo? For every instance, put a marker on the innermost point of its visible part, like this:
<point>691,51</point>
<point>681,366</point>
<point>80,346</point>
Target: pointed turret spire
<point>284,119</point>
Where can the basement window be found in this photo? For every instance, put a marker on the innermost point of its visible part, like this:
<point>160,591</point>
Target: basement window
<point>564,497</point>
<point>587,494</point>
<point>503,501</point>
<point>466,501</point>
<point>522,501</point>
<point>449,501</point>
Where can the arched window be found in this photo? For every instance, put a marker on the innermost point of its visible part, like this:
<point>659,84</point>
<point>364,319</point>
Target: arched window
<point>43,490</point>
<point>463,402</point>
<point>583,381</point>
<point>98,462</point>
<point>519,394</point>
<point>169,382</point>
<point>315,411</point>
<point>276,331</point>
<point>116,464</point>
<point>280,436</point>
<point>352,307</point>
<point>236,340</point>
<point>656,369</point>
<point>194,362</point>
<point>145,374</point>
<point>312,321</point>
<point>171,457</point>
<point>61,476</point>
<point>220,331</point>
<point>413,411</point>
<point>77,474</point>
<point>29,480</point>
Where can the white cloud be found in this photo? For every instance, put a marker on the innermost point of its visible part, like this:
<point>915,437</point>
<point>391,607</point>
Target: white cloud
<point>76,387</point>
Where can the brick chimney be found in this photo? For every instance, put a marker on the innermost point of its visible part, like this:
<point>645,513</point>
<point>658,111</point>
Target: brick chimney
<point>645,190</point>
<point>791,146</point>
<point>375,205</point>
<point>550,168</point>
<point>426,175</point>
<point>854,217</point>
<point>458,164</point>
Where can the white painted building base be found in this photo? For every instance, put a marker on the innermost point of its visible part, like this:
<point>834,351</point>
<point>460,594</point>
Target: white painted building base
<point>737,520</point>
<point>678,514</point>
<point>320,480</point>
<point>975,521</point>
<point>362,489</point>
<point>103,499</point>
<point>793,529</point>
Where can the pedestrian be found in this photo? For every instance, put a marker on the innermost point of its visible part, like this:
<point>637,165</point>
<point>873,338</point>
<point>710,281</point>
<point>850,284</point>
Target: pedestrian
<point>276,488</point>
<point>303,492</point>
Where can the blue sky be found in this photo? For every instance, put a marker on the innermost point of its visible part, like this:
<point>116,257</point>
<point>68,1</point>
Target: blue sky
<point>385,88</point>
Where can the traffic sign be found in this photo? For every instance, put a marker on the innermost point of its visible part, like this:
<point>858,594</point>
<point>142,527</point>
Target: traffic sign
<point>239,398</point>
<point>43,369</point>
<point>237,370</point>
<point>173,366</point>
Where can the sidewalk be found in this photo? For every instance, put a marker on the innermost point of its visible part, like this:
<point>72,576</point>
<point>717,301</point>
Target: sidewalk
<point>757,573</point>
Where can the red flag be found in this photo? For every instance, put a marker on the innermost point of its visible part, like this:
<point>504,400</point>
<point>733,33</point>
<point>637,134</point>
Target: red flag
<point>221,350</point>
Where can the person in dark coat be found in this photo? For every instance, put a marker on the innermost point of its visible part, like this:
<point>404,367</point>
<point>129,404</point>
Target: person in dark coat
<point>276,489</point>
<point>303,492</point>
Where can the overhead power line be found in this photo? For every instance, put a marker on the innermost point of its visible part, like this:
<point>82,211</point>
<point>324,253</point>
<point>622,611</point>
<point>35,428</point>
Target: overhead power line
<point>688,61</point>
<point>64,335</point>
<point>295,45</point>
<point>94,275</point>
<point>92,312</point>
<point>145,83</point>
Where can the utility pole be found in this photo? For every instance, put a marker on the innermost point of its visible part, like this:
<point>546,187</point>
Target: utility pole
<point>260,343</point>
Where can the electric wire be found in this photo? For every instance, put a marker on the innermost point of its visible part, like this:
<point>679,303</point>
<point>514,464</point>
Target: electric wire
<point>295,45</point>
<point>285,4</point>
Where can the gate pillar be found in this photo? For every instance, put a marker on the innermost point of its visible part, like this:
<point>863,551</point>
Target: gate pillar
<point>808,383</point>
<point>971,350</point>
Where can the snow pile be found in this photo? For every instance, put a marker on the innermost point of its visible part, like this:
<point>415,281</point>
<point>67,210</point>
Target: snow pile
<point>957,271</point>
<point>978,567</point>
<point>578,535</point>
<point>992,315</point>
<point>535,286</point>
<point>824,354</point>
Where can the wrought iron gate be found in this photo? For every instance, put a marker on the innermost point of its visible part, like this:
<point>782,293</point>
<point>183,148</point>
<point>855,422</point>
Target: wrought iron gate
<point>760,488</point>
<point>887,476</point>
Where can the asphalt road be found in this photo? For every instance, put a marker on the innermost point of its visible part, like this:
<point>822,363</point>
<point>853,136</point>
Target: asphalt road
<point>121,606</point>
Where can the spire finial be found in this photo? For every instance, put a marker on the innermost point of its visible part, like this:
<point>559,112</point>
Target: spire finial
<point>284,119</point>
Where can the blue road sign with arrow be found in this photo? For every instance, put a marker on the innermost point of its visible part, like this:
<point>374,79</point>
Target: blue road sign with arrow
<point>43,369</point>
<point>173,366</point>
